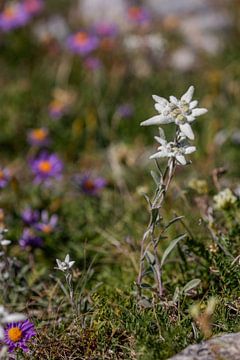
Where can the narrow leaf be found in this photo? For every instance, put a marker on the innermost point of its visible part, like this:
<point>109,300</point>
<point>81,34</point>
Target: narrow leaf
<point>173,221</point>
<point>191,285</point>
<point>171,247</point>
<point>155,177</point>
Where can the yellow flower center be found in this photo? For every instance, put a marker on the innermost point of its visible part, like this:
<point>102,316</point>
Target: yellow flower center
<point>45,166</point>
<point>89,185</point>
<point>81,38</point>
<point>47,229</point>
<point>15,334</point>
<point>1,175</point>
<point>39,134</point>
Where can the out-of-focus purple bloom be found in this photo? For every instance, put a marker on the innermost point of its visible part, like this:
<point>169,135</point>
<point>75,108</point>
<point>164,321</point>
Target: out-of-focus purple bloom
<point>48,223</point>
<point>30,216</point>
<point>56,109</point>
<point>33,7</point>
<point>46,167</point>
<point>13,16</point>
<point>30,240</point>
<point>38,137</point>
<point>82,43</point>
<point>4,177</point>
<point>106,30</point>
<point>93,63</point>
<point>139,15</point>
<point>90,185</point>
<point>18,334</point>
<point>125,110</point>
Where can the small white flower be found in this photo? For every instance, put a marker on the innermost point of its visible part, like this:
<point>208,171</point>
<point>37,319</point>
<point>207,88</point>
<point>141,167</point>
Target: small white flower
<point>224,199</point>
<point>172,150</point>
<point>65,265</point>
<point>182,112</point>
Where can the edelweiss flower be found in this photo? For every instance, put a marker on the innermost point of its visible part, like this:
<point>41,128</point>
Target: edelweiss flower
<point>224,199</point>
<point>172,150</point>
<point>182,112</point>
<point>65,265</point>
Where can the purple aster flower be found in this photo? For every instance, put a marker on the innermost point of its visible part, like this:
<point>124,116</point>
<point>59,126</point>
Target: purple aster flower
<point>38,137</point>
<point>82,43</point>
<point>48,223</point>
<point>30,216</point>
<point>4,177</point>
<point>125,110</point>
<point>13,16</point>
<point>56,109</point>
<point>93,63</point>
<point>106,29</point>
<point>30,240</point>
<point>90,185</point>
<point>33,7</point>
<point>18,334</point>
<point>139,15</point>
<point>46,167</point>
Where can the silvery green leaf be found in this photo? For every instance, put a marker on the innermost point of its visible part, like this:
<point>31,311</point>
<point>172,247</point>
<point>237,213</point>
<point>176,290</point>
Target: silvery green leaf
<point>191,285</point>
<point>145,303</point>
<point>176,295</point>
<point>155,177</point>
<point>171,246</point>
<point>150,258</point>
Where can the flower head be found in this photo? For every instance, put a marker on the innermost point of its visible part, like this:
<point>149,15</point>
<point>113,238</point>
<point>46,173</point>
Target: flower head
<point>4,177</point>
<point>48,223</point>
<point>224,199</point>
<point>30,240</point>
<point>104,29</point>
<point>13,16</point>
<point>125,110</point>
<point>38,137</point>
<point>82,43</point>
<point>56,109</point>
<point>30,216</point>
<point>181,112</point>
<point>33,7</point>
<point>18,334</point>
<point>5,317</point>
<point>47,167</point>
<point>65,265</point>
<point>171,149</point>
<point>90,185</point>
<point>138,15</point>
<point>3,241</point>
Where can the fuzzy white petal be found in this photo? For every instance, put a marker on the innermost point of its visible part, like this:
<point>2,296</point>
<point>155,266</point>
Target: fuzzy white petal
<point>188,95</point>
<point>190,149</point>
<point>159,154</point>
<point>160,100</point>
<point>187,130</point>
<point>199,111</point>
<point>193,104</point>
<point>181,159</point>
<point>160,140</point>
<point>15,317</point>
<point>157,120</point>
<point>173,100</point>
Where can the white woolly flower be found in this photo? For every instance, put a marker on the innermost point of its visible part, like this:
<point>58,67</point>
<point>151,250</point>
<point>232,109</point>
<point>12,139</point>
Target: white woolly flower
<point>65,265</point>
<point>3,241</point>
<point>172,150</point>
<point>224,199</point>
<point>182,112</point>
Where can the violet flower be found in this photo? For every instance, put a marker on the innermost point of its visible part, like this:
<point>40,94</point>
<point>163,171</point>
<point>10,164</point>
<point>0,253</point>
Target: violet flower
<point>4,178</point>
<point>30,216</point>
<point>13,16</point>
<point>82,43</point>
<point>90,185</point>
<point>48,223</point>
<point>38,137</point>
<point>139,15</point>
<point>46,167</point>
<point>18,334</point>
<point>30,240</point>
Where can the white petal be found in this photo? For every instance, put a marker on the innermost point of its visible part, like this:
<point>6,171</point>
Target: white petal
<point>67,258</point>
<point>159,154</point>
<point>190,118</point>
<point>173,100</point>
<point>199,111</point>
<point>190,149</point>
<point>5,242</point>
<point>188,95</point>
<point>160,140</point>
<point>187,130</point>
<point>181,159</point>
<point>160,108</point>
<point>160,100</point>
<point>1,333</point>
<point>71,263</point>
<point>193,104</point>
<point>157,120</point>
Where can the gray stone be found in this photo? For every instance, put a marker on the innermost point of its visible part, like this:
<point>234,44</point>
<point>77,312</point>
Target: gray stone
<point>225,347</point>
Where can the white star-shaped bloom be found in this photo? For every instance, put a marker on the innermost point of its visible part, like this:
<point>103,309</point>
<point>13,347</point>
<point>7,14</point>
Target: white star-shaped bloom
<point>182,112</point>
<point>65,265</point>
<point>172,150</point>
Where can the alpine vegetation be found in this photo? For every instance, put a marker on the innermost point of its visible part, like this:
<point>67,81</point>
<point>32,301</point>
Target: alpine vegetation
<point>182,113</point>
